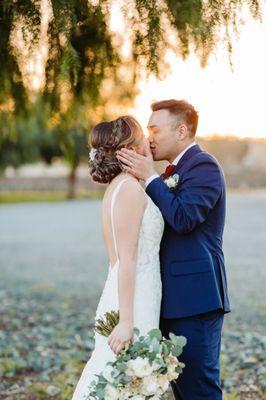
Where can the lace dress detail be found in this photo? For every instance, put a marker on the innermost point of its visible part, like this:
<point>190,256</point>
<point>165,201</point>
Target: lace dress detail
<point>147,296</point>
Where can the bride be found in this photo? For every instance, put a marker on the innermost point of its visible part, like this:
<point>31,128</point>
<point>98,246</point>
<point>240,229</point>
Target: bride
<point>132,228</point>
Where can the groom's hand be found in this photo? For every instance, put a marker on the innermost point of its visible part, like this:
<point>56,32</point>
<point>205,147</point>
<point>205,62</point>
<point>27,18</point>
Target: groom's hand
<point>141,166</point>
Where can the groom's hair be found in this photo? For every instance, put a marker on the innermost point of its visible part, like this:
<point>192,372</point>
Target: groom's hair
<point>184,112</point>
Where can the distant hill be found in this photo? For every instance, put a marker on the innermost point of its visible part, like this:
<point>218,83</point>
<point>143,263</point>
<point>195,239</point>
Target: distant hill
<point>243,161</point>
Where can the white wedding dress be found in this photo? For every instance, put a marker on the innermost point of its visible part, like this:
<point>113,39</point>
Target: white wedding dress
<point>147,296</point>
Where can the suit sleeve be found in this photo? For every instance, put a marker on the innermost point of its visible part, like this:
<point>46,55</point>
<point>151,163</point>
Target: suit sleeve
<point>200,189</point>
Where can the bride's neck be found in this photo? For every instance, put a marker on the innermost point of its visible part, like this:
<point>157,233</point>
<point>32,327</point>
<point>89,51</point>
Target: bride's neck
<point>123,175</point>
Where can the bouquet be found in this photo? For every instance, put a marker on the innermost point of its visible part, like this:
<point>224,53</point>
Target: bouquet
<point>143,369</point>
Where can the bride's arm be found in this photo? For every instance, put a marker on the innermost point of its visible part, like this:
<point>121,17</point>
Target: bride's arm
<point>128,212</point>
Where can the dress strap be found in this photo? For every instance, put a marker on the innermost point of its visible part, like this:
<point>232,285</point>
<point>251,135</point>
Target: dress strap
<point>114,194</point>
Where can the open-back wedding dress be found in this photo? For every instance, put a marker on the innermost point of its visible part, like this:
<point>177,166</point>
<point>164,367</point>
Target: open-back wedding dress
<point>147,296</point>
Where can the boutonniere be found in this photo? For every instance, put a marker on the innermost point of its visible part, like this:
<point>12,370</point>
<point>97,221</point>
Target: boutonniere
<point>172,181</point>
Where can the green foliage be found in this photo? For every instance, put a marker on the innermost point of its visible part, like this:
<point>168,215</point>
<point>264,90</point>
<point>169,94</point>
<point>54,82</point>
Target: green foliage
<point>156,334</point>
<point>26,137</point>
<point>145,350</point>
<point>84,61</point>
<point>198,26</point>
<point>232,396</point>
<point>81,53</point>
<point>11,83</point>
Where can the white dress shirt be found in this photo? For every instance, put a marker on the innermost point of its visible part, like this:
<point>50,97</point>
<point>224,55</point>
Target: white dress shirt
<point>175,162</point>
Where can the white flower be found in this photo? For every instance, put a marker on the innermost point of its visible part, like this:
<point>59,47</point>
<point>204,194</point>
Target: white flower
<point>156,365</point>
<point>171,373</point>
<point>107,373</point>
<point>172,181</point>
<point>138,397</point>
<point>172,376</point>
<point>110,392</point>
<point>125,394</point>
<point>150,385</point>
<point>92,153</point>
<point>130,372</point>
<point>140,366</point>
<point>163,382</point>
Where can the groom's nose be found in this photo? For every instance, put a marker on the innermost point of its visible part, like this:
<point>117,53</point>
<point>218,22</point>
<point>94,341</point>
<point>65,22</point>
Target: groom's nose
<point>150,138</point>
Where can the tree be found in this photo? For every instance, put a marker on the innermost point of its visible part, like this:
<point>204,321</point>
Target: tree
<point>85,60</point>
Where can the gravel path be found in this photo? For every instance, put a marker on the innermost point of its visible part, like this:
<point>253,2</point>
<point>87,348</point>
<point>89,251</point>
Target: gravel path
<point>53,266</point>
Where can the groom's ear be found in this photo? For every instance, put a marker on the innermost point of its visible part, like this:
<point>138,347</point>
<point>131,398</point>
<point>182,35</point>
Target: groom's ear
<point>182,132</point>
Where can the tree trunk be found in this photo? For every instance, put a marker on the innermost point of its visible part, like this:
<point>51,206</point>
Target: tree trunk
<point>72,183</point>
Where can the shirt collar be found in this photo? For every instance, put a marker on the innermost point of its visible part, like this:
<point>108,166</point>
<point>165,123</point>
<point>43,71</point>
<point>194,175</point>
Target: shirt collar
<point>180,155</point>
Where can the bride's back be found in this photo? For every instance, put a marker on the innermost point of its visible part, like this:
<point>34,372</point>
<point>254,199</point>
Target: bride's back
<point>129,217</point>
<point>120,188</point>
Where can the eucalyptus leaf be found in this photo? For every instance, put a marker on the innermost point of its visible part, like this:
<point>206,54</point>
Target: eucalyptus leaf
<point>176,351</point>
<point>181,341</point>
<point>100,393</point>
<point>173,337</point>
<point>121,367</point>
<point>136,331</point>
<point>155,333</point>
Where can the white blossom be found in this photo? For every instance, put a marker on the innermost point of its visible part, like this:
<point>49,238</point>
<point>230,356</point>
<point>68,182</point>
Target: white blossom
<point>155,366</point>
<point>93,153</point>
<point>150,385</point>
<point>140,366</point>
<point>172,181</point>
<point>163,382</point>
<point>110,392</point>
<point>107,373</point>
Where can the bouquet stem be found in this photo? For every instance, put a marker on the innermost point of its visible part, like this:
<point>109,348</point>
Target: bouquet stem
<point>105,325</point>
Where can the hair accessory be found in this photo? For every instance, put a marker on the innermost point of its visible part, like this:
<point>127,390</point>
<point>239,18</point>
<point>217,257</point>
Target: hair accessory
<point>93,153</point>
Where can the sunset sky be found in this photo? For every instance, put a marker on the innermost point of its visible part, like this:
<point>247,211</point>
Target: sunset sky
<point>228,102</point>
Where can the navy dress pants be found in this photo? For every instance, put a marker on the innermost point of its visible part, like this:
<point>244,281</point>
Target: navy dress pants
<point>200,379</point>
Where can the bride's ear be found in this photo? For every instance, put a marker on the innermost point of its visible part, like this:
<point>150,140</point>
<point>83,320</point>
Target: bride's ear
<point>131,148</point>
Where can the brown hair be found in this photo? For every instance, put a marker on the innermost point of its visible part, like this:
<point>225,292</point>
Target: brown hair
<point>182,109</point>
<point>106,138</point>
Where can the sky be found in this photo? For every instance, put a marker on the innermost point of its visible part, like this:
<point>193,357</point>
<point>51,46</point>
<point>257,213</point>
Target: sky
<point>229,103</point>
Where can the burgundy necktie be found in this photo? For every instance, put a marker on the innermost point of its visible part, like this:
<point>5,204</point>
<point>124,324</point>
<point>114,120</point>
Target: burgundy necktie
<point>168,171</point>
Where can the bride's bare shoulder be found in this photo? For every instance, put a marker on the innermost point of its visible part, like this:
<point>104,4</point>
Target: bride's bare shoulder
<point>132,193</point>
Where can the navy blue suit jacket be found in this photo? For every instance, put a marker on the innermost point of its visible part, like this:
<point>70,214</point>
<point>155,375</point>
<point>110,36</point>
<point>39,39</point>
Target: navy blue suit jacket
<point>191,255</point>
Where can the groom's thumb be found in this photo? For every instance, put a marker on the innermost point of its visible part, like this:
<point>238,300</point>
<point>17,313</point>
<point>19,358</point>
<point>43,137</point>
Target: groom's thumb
<point>147,149</point>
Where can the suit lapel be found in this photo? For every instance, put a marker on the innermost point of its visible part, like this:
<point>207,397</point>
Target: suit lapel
<point>188,154</point>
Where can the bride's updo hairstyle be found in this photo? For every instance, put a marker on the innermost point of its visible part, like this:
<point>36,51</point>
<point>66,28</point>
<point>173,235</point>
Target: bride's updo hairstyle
<point>105,139</point>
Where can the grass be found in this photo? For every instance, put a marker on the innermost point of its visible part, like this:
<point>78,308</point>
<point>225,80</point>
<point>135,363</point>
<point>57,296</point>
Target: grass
<point>24,196</point>
<point>40,196</point>
<point>53,267</point>
<point>65,381</point>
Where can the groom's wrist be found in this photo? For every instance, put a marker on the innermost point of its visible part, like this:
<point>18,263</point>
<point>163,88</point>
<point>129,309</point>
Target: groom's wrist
<point>150,179</point>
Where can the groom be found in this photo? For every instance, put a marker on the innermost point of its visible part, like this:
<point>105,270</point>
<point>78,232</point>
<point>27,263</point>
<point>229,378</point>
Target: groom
<point>192,263</point>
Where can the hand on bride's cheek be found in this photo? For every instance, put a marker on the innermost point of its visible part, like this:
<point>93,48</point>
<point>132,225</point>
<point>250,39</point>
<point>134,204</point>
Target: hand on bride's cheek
<point>138,165</point>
